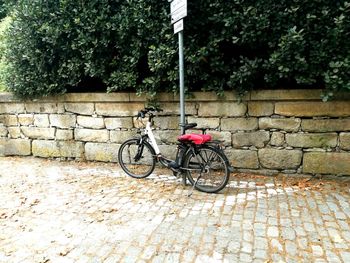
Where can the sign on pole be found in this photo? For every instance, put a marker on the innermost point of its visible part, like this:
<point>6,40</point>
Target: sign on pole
<point>179,26</point>
<point>178,10</point>
<point>177,4</point>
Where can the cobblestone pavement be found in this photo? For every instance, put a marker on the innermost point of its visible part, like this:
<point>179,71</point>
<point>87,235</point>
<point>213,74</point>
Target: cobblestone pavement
<point>53,211</point>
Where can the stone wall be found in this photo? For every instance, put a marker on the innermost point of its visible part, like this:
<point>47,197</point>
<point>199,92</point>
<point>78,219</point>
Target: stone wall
<point>288,131</point>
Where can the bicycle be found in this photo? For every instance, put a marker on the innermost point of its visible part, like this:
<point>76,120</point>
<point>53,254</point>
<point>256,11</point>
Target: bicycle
<point>200,158</point>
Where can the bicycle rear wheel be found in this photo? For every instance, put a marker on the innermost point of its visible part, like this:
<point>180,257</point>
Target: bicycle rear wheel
<point>207,169</point>
<point>137,158</point>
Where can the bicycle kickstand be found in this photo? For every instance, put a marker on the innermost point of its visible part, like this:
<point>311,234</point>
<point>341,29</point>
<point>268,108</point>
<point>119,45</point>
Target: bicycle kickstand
<point>194,185</point>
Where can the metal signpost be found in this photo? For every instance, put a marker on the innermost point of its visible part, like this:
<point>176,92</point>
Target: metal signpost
<point>178,10</point>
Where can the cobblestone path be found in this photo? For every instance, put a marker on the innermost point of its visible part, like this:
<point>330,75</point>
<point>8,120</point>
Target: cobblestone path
<point>53,211</point>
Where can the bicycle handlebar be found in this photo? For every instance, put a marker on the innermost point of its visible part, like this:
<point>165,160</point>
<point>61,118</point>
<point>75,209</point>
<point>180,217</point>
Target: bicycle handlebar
<point>142,113</point>
<point>156,109</point>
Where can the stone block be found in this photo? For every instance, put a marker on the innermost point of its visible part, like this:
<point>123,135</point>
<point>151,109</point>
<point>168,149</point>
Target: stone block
<point>257,109</point>
<point>121,136</point>
<point>41,120</point>
<point>313,109</point>
<point>90,122</point>
<point>118,109</point>
<point>118,123</point>
<point>89,135</point>
<point>64,135</point>
<point>222,109</point>
<point>327,125</point>
<point>312,140</point>
<point>169,151</point>
<point>25,119</point>
<point>222,136</point>
<point>104,152</point>
<point>276,95</point>
<point>277,139</point>
<point>243,158</point>
<point>280,159</point>
<point>170,108</point>
<point>38,133</point>
<point>51,149</point>
<point>97,97</point>
<point>167,137</point>
<point>10,120</point>
<point>161,97</point>
<point>211,123</point>
<point>62,121</point>
<point>80,108</point>
<point>285,124</point>
<point>167,122</point>
<point>36,107</point>
<point>15,132</point>
<point>258,139</point>
<point>138,123</point>
<point>326,163</point>
<point>60,108</point>
<point>239,124</point>
<point>19,147</point>
<point>11,108</point>
<point>3,131</point>
<point>211,96</point>
<point>7,97</point>
<point>344,138</point>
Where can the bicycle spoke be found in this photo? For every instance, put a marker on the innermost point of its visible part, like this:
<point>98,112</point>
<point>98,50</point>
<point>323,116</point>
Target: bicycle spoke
<point>206,162</point>
<point>129,154</point>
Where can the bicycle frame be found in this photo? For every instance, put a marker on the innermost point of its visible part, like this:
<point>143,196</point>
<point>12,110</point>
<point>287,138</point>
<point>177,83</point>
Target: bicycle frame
<point>167,162</point>
<point>175,165</point>
<point>149,132</point>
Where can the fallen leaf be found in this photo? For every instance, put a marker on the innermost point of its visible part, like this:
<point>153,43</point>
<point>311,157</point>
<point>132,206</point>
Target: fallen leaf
<point>65,252</point>
<point>109,210</point>
<point>35,202</point>
<point>44,260</point>
<point>3,216</point>
<point>23,200</point>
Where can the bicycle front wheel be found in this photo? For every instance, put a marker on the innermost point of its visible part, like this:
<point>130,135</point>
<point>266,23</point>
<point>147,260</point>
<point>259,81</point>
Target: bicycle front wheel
<point>207,169</point>
<point>137,158</point>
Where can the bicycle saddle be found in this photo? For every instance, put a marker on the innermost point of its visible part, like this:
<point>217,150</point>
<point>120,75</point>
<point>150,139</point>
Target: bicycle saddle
<point>195,138</point>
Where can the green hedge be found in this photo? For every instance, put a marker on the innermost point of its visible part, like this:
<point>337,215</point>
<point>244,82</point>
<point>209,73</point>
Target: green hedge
<point>229,45</point>
<point>3,8</point>
<point>4,23</point>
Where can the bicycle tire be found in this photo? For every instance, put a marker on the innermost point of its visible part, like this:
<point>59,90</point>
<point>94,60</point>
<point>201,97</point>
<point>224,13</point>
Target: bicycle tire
<point>137,159</point>
<point>207,165</point>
